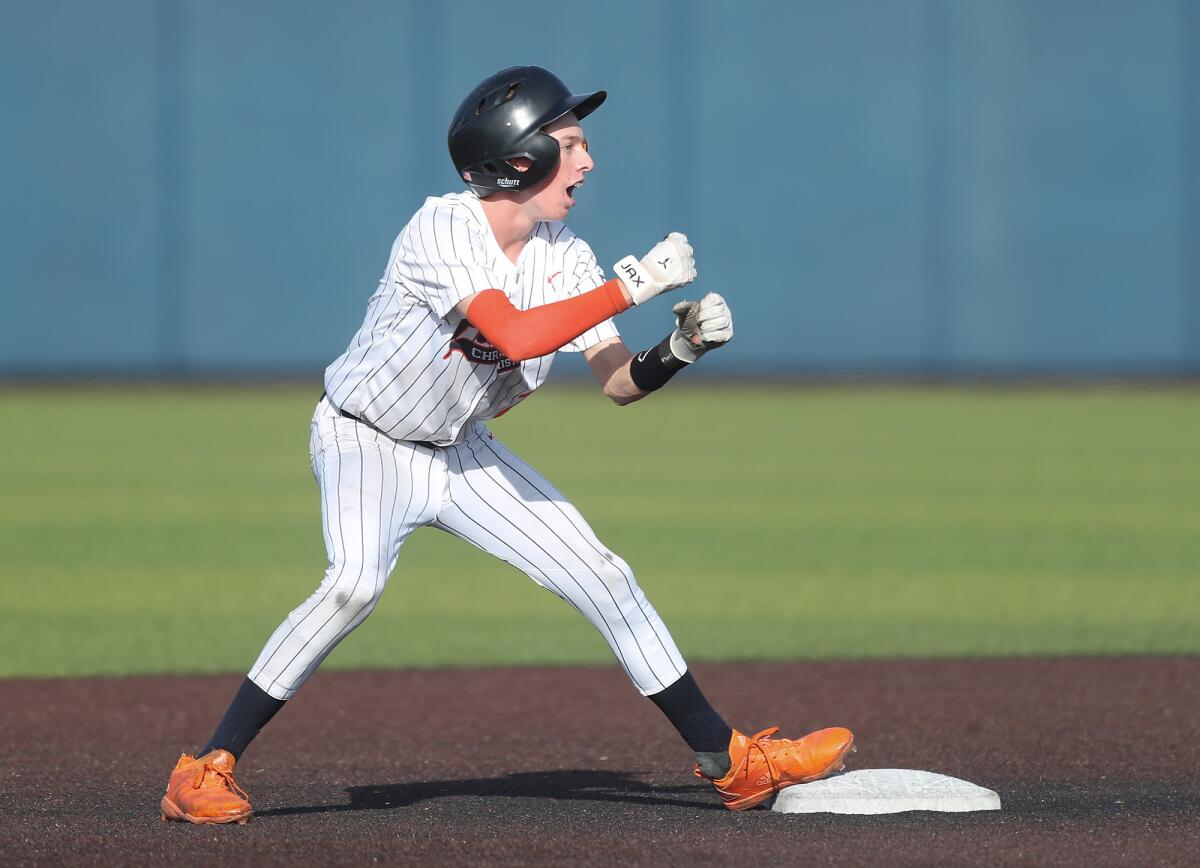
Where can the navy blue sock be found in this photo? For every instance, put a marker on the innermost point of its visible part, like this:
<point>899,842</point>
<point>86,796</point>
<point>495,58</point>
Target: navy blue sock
<point>249,712</point>
<point>702,728</point>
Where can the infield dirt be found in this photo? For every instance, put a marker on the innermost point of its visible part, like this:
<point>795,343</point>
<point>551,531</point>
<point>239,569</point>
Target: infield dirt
<point>1097,762</point>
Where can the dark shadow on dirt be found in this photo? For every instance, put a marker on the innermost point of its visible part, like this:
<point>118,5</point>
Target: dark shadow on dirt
<point>573,785</point>
<point>1060,802</point>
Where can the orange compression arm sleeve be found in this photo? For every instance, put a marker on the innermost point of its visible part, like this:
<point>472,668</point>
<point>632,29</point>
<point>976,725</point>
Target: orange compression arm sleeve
<point>527,334</point>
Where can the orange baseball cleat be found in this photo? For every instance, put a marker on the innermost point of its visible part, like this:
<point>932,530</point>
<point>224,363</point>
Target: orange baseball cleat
<point>762,766</point>
<point>202,790</point>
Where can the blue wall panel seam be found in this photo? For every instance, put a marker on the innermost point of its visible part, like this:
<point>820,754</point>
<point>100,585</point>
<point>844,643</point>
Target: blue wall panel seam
<point>935,169</point>
<point>1189,218</point>
<point>170,189</point>
<point>681,72</point>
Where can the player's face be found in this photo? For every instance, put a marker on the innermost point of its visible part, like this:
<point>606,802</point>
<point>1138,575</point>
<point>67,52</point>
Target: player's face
<point>557,195</point>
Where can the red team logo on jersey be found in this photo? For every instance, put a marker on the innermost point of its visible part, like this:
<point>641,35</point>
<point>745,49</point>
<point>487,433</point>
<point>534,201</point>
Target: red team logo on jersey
<point>471,343</point>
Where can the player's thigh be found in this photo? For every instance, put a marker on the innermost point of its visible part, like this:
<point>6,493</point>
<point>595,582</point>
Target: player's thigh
<point>506,507</point>
<point>374,491</point>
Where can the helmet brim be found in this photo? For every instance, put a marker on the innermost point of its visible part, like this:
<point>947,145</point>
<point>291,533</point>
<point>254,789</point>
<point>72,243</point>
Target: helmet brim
<point>583,104</point>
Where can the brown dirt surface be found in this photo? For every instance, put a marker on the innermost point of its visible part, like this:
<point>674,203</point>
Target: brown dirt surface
<point>1097,762</point>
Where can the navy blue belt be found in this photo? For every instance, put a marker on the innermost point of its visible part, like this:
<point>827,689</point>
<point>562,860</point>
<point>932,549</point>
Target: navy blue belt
<point>377,430</point>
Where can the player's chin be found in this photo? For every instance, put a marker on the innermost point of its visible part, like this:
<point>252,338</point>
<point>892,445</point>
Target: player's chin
<point>569,197</point>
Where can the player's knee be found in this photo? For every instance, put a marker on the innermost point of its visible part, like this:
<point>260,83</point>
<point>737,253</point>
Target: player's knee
<point>355,600</point>
<point>355,588</point>
<point>622,585</point>
<point>613,571</point>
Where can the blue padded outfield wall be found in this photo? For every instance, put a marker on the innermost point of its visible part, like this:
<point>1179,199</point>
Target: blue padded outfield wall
<point>927,186</point>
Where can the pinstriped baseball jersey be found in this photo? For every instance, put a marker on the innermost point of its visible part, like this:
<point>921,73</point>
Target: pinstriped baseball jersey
<point>416,369</point>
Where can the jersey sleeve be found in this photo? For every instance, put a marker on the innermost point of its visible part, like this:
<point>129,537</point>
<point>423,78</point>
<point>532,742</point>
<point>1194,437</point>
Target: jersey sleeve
<point>443,259</point>
<point>585,275</point>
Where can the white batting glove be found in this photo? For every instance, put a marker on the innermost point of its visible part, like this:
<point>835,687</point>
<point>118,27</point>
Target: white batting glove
<point>703,325</point>
<point>669,265</point>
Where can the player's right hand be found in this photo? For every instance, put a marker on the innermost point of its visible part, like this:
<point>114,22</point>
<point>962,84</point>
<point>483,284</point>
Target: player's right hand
<point>669,265</point>
<point>703,325</point>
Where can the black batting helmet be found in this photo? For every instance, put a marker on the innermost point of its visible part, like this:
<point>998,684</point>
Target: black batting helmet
<point>503,118</point>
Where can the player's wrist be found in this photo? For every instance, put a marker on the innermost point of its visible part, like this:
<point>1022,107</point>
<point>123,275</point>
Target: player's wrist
<point>636,280</point>
<point>651,369</point>
<point>619,294</point>
<point>682,349</point>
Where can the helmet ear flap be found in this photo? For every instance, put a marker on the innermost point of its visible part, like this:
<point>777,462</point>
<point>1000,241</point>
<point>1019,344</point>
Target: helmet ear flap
<point>545,152</point>
<point>542,152</point>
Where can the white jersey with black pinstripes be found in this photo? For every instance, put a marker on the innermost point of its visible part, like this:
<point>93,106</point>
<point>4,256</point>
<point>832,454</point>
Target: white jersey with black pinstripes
<point>416,369</point>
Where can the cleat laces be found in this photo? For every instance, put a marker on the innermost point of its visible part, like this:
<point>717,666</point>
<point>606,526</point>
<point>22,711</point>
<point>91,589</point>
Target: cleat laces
<point>782,745</point>
<point>225,775</point>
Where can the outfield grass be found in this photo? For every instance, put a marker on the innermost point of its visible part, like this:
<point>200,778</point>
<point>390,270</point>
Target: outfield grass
<point>159,529</point>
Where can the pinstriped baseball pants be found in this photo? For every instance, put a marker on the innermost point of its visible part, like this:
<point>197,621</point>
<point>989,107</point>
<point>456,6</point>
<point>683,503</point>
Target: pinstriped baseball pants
<point>375,491</point>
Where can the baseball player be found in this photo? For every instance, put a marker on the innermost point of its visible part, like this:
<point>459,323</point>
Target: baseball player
<point>481,289</point>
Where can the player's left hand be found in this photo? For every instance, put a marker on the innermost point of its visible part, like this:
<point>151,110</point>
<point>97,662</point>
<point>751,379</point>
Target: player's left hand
<point>702,326</point>
<point>670,264</point>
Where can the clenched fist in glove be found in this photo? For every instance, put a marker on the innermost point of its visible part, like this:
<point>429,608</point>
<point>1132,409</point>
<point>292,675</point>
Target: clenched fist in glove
<point>669,265</point>
<point>703,325</point>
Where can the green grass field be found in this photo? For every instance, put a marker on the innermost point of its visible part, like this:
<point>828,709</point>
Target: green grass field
<point>170,529</point>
